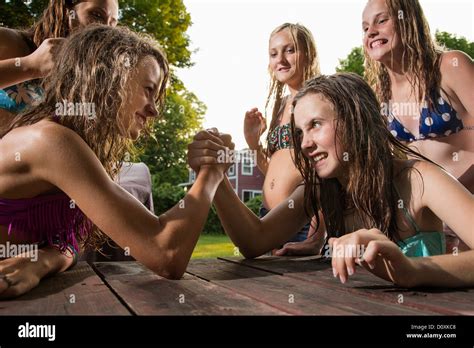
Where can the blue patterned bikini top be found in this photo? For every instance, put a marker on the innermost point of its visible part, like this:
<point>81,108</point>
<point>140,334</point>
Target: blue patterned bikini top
<point>16,98</point>
<point>442,121</point>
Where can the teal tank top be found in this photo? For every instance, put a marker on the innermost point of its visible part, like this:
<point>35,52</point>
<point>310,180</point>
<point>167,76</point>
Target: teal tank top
<point>423,243</point>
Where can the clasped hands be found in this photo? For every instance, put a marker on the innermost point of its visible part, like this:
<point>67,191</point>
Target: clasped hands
<point>212,149</point>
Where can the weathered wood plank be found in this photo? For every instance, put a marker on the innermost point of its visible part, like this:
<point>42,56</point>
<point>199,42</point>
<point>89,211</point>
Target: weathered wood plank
<point>148,294</point>
<point>78,291</point>
<point>290,294</point>
<point>318,271</point>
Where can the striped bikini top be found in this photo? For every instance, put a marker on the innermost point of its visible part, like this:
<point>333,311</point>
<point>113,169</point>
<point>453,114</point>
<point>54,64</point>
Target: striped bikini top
<point>50,219</point>
<point>442,121</point>
<point>280,138</point>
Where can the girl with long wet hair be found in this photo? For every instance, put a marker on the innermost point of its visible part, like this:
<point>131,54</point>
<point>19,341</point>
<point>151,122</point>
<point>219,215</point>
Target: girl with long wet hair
<point>57,169</point>
<point>381,209</point>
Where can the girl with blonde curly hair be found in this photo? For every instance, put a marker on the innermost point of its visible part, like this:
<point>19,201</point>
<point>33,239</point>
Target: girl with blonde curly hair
<point>57,169</point>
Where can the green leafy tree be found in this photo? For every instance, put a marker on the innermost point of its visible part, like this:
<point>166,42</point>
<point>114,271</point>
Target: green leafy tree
<point>254,204</point>
<point>15,14</point>
<point>354,62</point>
<point>166,196</point>
<point>453,42</point>
<point>166,20</point>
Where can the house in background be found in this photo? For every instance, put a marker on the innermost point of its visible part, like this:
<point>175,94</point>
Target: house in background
<point>244,175</point>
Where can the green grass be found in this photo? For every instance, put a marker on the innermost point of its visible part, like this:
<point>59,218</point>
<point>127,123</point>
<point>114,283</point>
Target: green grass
<point>212,246</point>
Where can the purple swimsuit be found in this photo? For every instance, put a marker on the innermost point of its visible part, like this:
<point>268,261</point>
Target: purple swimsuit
<point>52,219</point>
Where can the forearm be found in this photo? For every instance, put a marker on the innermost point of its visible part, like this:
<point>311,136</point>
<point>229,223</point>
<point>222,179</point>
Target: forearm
<point>183,223</point>
<point>242,226</point>
<point>14,71</point>
<point>262,159</point>
<point>446,270</point>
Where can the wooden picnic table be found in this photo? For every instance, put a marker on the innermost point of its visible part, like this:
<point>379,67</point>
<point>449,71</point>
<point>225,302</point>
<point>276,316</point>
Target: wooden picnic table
<point>231,286</point>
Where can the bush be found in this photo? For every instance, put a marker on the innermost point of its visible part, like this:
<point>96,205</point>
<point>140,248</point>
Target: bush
<point>166,196</point>
<point>254,204</point>
<point>213,224</point>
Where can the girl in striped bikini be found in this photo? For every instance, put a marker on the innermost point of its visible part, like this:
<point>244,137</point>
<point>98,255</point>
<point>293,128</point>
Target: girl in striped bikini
<point>293,59</point>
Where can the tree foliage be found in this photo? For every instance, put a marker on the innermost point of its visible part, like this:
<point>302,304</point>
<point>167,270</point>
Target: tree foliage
<point>453,42</point>
<point>166,20</point>
<point>354,62</point>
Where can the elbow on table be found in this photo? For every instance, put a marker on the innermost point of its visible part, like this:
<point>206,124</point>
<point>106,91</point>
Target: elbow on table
<point>249,253</point>
<point>170,267</point>
<point>170,273</point>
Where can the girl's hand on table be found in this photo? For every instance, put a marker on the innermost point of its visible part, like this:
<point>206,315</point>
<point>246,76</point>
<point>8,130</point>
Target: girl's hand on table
<point>372,250</point>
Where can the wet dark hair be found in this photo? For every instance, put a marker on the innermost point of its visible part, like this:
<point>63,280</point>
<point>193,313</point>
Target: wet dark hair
<point>371,149</point>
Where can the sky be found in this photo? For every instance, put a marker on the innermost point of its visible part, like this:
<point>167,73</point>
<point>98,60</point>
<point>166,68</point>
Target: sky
<point>230,38</point>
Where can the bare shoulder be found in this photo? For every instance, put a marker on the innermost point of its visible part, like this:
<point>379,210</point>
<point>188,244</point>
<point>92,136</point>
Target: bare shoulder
<point>414,175</point>
<point>428,171</point>
<point>41,131</point>
<point>435,181</point>
<point>455,63</point>
<point>58,155</point>
<point>43,141</point>
<point>451,58</point>
<point>13,44</point>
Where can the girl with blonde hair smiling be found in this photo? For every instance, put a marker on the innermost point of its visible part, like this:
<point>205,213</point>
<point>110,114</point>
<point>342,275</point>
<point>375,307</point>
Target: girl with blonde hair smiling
<point>57,171</point>
<point>293,59</point>
<point>426,93</point>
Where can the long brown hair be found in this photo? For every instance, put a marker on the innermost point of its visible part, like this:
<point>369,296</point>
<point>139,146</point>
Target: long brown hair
<point>53,23</point>
<point>93,67</point>
<point>420,59</point>
<point>304,41</point>
<point>370,149</point>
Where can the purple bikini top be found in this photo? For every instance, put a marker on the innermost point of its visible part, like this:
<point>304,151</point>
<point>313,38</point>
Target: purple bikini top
<point>51,219</point>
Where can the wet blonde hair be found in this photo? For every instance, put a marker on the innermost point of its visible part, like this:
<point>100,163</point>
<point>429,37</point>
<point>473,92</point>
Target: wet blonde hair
<point>421,54</point>
<point>304,40</point>
<point>94,66</point>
